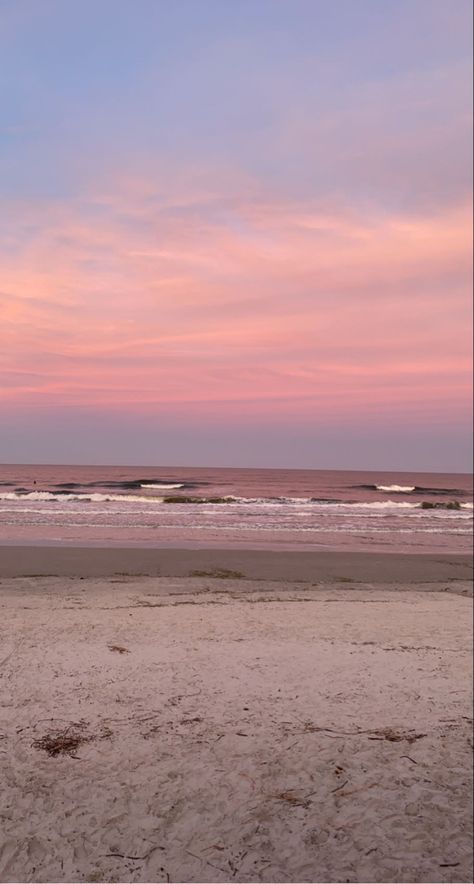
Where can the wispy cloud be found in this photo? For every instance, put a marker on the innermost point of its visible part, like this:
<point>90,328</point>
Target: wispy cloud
<point>225,212</point>
<point>267,301</point>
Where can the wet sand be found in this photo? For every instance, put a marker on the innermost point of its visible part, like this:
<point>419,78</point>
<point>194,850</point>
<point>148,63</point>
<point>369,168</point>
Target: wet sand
<point>286,565</point>
<point>227,729</point>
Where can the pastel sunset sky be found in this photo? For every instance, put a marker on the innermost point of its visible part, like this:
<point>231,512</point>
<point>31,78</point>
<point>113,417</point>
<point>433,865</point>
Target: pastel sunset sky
<point>236,232</point>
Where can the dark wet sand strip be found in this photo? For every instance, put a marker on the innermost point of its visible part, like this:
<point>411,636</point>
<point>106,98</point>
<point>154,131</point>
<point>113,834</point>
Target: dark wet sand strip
<point>295,566</point>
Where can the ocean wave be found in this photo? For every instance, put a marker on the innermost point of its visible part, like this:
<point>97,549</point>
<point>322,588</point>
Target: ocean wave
<point>313,502</point>
<point>384,505</point>
<point>400,488</point>
<point>128,484</point>
<point>413,489</point>
<point>163,487</point>
<point>405,505</point>
<point>93,497</point>
<point>290,504</point>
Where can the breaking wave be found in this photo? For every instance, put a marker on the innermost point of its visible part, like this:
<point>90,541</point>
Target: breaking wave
<point>291,503</point>
<point>128,484</point>
<point>163,487</point>
<point>413,489</point>
<point>94,497</point>
<point>401,488</point>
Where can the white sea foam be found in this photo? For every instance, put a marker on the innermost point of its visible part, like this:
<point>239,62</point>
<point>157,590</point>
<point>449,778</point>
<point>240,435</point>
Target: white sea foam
<point>399,488</point>
<point>94,497</point>
<point>441,511</point>
<point>333,505</point>
<point>272,501</point>
<point>162,487</point>
<point>290,504</point>
<point>387,504</point>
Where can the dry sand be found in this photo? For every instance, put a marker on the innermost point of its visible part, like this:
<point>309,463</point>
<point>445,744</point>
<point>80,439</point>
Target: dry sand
<point>246,730</point>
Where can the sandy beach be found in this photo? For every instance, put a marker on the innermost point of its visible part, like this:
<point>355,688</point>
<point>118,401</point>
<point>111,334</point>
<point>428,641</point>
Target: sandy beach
<point>236,485</point>
<point>219,728</point>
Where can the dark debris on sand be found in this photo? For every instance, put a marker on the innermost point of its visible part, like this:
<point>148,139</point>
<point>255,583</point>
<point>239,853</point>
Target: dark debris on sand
<point>67,741</point>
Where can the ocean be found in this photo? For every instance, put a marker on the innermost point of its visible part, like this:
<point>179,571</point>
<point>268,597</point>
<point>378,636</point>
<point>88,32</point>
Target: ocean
<point>252,508</point>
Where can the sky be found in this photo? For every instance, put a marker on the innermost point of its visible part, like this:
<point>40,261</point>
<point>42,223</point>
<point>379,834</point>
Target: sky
<point>236,233</point>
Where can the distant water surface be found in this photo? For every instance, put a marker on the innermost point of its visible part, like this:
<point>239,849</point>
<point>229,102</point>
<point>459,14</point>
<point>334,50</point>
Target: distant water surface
<point>254,508</point>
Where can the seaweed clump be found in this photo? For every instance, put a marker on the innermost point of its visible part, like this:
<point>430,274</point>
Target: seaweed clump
<point>219,573</point>
<point>184,499</point>
<point>429,505</point>
<point>66,741</point>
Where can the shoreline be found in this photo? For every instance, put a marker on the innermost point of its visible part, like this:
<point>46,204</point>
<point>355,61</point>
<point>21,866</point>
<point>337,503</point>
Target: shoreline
<point>252,564</point>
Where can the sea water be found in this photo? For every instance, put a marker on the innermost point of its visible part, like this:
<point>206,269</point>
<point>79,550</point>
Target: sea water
<point>253,508</point>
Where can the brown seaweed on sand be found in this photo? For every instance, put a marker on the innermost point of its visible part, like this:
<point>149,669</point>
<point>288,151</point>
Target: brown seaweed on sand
<point>67,741</point>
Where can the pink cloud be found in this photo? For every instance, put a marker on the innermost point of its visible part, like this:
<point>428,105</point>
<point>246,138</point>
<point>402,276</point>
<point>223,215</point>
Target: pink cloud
<point>265,305</point>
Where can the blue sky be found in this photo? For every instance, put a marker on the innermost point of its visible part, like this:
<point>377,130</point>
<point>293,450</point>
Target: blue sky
<point>81,79</point>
